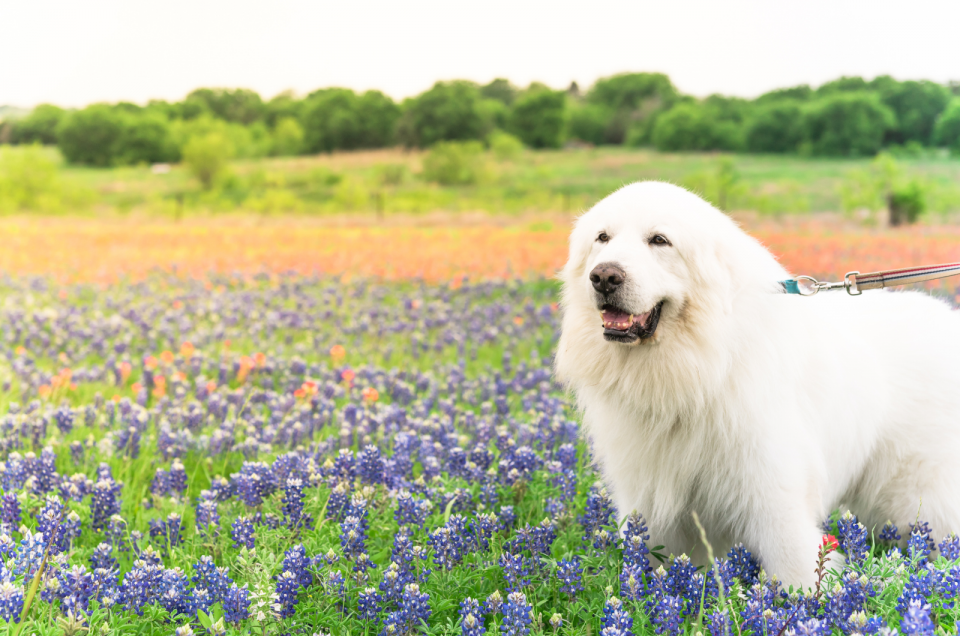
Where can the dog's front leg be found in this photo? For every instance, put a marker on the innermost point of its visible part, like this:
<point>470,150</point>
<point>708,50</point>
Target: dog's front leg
<point>788,542</point>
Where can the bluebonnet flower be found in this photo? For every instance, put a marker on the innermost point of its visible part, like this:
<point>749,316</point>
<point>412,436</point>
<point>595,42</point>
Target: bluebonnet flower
<point>140,586</point>
<point>415,606</point>
<point>370,465</point>
<point>516,615</point>
<point>242,533</point>
<point>847,599</point>
<point>102,557</point>
<point>116,532</point>
<point>11,601</point>
<point>296,562</point>
<point>395,578</point>
<point>9,512</point>
<point>74,587</point>
<point>950,547</point>
<point>293,505</point>
<point>236,604</point>
<point>668,615</point>
<point>916,621</point>
<point>212,578</point>
<point>745,567</point>
<point>411,511</point>
<point>921,585</point>
<point>160,486</point>
<point>353,537</point>
<point>598,518</point>
<point>493,604</point>
<point>32,548</point>
<point>471,620</point>
<point>918,548</point>
<point>507,517</point>
<point>449,544</point>
<point>173,593</point>
<point>516,569</point>
<point>178,477</point>
<point>105,502</point>
<point>286,592</point>
<point>570,574</point>
<point>208,517</point>
<point>853,538</point>
<point>889,533</point>
<point>634,544</point>
<point>368,606</point>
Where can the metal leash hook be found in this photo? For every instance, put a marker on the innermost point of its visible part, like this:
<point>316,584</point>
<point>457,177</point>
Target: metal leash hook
<point>812,285</point>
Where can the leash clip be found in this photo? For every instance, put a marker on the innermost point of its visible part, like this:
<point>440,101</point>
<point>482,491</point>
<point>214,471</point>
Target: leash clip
<point>812,285</point>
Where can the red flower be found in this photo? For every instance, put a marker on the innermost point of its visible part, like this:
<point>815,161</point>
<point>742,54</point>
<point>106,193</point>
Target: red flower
<point>830,543</point>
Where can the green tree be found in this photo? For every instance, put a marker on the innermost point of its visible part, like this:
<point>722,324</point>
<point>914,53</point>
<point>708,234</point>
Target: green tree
<point>240,105</point>
<point>916,106</point>
<point>803,92</point>
<point>632,100</point>
<point>448,111</point>
<point>539,118</point>
<point>283,106</point>
<point>339,119</point>
<point>775,127</point>
<point>697,126</point>
<point>91,136</point>
<point>145,138</point>
<point>207,157</point>
<point>848,124</point>
<point>947,130</point>
<point>844,85</point>
<point>40,126</point>
<point>501,90</point>
<point>588,122</point>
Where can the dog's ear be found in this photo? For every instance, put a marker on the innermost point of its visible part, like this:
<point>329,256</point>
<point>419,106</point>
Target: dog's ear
<point>577,257</point>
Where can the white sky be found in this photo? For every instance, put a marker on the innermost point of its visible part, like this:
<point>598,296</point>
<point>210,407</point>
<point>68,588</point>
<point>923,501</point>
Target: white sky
<point>74,53</point>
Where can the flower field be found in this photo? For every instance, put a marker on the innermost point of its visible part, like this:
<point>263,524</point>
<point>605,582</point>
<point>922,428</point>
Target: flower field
<point>356,431</point>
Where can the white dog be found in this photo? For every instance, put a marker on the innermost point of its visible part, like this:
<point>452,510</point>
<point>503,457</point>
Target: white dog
<point>705,388</point>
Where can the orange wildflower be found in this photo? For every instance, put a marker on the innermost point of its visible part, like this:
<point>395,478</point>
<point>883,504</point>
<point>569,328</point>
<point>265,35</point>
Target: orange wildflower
<point>337,352</point>
<point>370,394</point>
<point>187,349</point>
<point>167,357</point>
<point>44,390</point>
<point>150,362</point>
<point>136,387</point>
<point>348,375</point>
<point>211,386</point>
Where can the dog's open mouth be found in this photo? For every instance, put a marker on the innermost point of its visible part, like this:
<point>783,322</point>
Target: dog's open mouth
<point>622,326</point>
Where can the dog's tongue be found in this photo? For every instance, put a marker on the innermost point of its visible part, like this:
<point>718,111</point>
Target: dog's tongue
<point>621,320</point>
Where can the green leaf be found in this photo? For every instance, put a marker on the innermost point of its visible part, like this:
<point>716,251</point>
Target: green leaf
<point>204,619</point>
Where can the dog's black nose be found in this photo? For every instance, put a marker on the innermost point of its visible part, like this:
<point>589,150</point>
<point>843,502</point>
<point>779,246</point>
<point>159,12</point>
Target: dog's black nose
<point>606,277</point>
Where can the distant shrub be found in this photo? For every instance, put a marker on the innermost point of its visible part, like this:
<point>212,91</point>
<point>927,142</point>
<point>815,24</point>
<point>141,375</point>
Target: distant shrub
<point>800,93</point>
<point>40,126</point>
<point>339,119</point>
<point>454,163</point>
<point>906,202</point>
<point>848,124</point>
<point>247,142</point>
<point>775,127</point>
<point>449,111</point>
<point>91,136</point>
<point>207,157</point>
<point>539,118</point>
<point>391,174</point>
<point>947,131</point>
<point>287,138</point>
<point>30,181</point>
<point>505,146</point>
<point>695,126</point>
<point>283,106</point>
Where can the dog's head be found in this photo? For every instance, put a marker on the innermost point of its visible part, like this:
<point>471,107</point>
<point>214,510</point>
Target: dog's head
<point>653,262</point>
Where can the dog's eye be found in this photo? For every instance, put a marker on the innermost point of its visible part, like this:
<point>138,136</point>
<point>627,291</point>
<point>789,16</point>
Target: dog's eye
<point>659,239</point>
<point>603,237</point>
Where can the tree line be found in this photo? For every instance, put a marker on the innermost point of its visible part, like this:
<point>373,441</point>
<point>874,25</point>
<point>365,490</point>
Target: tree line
<point>849,116</point>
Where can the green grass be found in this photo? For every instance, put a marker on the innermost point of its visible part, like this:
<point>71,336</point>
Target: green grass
<point>565,181</point>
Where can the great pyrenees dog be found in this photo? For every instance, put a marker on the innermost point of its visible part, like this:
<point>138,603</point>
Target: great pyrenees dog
<point>704,388</point>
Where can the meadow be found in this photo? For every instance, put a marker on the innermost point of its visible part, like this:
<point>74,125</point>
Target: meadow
<point>274,438</point>
<point>502,182</point>
<point>338,416</point>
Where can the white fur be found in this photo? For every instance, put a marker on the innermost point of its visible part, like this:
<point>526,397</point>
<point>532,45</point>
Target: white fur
<point>760,411</point>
